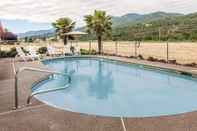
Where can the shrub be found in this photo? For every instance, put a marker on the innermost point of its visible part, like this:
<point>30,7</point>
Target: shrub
<point>131,56</point>
<point>152,59</point>
<point>3,54</point>
<point>162,61</point>
<point>191,64</point>
<point>93,52</point>
<point>87,52</point>
<point>42,50</point>
<point>12,52</point>
<point>84,52</point>
<point>140,57</point>
<point>172,62</point>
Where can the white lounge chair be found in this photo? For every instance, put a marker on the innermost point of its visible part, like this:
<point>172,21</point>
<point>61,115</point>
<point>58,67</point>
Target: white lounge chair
<point>33,53</point>
<point>21,54</point>
<point>51,51</point>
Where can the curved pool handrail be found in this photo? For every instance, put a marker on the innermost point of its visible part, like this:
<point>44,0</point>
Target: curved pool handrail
<point>43,70</point>
<point>35,70</point>
<point>46,91</point>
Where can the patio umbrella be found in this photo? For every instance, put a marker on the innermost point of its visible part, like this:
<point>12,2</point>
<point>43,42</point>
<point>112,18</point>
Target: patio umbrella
<point>75,34</point>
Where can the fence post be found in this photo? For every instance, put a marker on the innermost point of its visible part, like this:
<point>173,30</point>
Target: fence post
<point>135,48</point>
<point>131,47</point>
<point>116,47</point>
<point>167,51</point>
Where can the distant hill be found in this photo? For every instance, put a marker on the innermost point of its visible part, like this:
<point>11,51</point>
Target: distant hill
<point>175,28</point>
<point>154,26</point>
<point>39,33</point>
<point>134,18</point>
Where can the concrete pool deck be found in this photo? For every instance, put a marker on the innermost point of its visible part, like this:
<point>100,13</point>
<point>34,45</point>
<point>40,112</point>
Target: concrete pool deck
<point>41,117</point>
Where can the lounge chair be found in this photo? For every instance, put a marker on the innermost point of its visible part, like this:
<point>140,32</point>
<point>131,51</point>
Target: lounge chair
<point>67,50</point>
<point>33,53</point>
<point>51,51</point>
<point>21,54</point>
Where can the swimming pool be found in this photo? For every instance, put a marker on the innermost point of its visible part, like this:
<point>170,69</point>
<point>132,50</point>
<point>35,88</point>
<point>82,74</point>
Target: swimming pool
<point>111,88</point>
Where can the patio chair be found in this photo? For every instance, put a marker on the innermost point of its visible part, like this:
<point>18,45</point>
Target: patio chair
<point>51,51</point>
<point>20,53</point>
<point>33,53</point>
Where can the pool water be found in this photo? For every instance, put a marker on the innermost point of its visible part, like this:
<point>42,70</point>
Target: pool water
<point>109,88</point>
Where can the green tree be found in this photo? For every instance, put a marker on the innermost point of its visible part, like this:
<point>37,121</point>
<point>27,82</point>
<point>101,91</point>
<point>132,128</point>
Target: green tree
<point>62,26</point>
<point>99,24</point>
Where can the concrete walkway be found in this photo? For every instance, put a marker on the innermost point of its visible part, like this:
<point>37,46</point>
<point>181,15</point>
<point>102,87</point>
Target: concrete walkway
<point>41,117</point>
<point>38,116</point>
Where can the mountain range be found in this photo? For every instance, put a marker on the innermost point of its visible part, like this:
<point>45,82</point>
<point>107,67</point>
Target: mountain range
<point>134,18</point>
<point>39,33</point>
<point>120,21</point>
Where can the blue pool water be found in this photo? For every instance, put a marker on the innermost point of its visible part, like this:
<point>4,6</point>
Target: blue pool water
<point>109,88</point>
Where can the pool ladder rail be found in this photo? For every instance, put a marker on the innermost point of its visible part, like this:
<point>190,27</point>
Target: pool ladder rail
<point>46,91</point>
<point>40,92</point>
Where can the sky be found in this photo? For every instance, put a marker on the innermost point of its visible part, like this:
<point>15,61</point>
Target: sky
<point>26,15</point>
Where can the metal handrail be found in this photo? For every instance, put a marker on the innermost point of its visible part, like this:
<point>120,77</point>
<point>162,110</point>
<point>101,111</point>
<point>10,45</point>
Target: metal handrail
<point>46,91</point>
<point>35,70</point>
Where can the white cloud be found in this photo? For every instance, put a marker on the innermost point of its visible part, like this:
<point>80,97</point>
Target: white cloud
<point>49,10</point>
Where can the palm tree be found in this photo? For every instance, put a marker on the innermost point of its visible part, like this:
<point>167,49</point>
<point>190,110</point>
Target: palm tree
<point>62,26</point>
<point>99,24</point>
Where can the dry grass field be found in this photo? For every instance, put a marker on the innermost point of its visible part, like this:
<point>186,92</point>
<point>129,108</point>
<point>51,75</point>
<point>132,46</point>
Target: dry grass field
<point>183,52</point>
